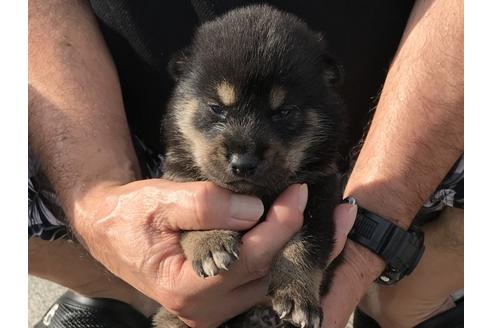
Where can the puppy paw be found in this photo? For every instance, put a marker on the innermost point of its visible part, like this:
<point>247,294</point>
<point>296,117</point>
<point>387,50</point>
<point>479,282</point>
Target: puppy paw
<point>211,252</point>
<point>299,311</point>
<point>165,319</point>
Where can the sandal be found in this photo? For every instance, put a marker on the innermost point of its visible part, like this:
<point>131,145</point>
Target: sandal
<point>72,310</point>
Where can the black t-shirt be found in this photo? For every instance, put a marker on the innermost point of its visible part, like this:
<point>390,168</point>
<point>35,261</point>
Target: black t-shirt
<point>142,35</point>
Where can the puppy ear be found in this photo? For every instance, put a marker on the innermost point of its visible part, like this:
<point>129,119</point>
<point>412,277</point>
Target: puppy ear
<point>333,71</point>
<point>179,63</point>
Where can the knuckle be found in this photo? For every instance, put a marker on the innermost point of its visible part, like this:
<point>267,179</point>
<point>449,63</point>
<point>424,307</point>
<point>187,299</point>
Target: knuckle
<point>255,259</point>
<point>202,198</point>
<point>257,270</point>
<point>175,305</point>
<point>145,191</point>
<point>294,224</point>
<point>290,221</point>
<point>261,272</point>
<point>179,304</point>
<point>204,191</point>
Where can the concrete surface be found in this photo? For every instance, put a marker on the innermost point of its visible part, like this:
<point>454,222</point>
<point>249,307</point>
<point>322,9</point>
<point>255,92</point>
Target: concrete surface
<point>43,293</point>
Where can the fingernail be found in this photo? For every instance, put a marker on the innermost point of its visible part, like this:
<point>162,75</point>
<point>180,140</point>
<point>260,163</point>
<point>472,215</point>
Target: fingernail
<point>303,197</point>
<point>352,214</point>
<point>353,211</point>
<point>245,207</point>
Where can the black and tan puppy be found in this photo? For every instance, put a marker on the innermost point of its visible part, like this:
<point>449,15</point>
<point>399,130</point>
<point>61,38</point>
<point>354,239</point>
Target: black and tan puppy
<point>254,111</point>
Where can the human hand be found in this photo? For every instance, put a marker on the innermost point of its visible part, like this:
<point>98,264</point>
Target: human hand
<point>353,276</point>
<point>426,292</point>
<point>134,231</point>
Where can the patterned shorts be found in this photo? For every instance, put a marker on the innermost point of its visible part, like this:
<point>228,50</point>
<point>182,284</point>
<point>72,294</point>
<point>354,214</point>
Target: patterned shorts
<point>45,216</point>
<point>450,193</point>
<point>46,219</point>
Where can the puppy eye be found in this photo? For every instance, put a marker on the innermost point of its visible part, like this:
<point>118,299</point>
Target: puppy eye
<point>284,112</point>
<point>217,109</point>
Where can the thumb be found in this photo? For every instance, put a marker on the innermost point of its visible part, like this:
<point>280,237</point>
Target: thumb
<point>344,217</point>
<point>206,206</point>
<point>262,244</point>
<point>352,276</point>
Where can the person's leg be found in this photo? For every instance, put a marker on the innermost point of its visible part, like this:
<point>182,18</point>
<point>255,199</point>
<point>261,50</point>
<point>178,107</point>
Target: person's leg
<point>68,264</point>
<point>426,292</point>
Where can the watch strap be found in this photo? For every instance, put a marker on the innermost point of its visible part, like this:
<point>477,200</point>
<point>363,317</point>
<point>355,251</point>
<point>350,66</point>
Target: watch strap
<point>401,250</point>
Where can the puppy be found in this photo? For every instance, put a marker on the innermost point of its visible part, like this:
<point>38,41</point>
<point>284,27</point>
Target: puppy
<point>254,111</point>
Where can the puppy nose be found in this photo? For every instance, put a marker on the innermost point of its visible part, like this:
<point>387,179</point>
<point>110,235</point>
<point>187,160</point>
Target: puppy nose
<point>243,165</point>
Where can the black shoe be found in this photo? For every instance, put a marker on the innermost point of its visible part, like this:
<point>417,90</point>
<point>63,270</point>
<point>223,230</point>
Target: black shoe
<point>452,318</point>
<point>75,311</point>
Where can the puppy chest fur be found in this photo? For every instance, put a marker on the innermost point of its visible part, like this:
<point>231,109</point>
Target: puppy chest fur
<point>253,112</point>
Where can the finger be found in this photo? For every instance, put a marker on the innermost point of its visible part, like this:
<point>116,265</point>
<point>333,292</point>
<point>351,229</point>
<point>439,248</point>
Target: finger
<point>344,217</point>
<point>248,295</point>
<point>350,281</point>
<point>259,246</point>
<point>206,206</point>
<point>190,283</point>
<point>235,302</point>
<point>266,240</point>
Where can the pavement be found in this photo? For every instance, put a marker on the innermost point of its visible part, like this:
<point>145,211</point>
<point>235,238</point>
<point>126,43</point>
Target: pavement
<point>43,293</point>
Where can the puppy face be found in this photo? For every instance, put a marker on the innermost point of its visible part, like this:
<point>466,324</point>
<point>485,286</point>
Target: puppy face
<point>254,105</point>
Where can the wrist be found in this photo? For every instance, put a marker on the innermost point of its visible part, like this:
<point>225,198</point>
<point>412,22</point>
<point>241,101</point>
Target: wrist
<point>366,265</point>
<point>384,199</point>
<point>95,203</point>
<point>91,185</point>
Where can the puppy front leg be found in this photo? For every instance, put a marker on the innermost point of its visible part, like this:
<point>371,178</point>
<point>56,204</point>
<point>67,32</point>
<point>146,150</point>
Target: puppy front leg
<point>210,252</point>
<point>299,269</point>
<point>295,286</point>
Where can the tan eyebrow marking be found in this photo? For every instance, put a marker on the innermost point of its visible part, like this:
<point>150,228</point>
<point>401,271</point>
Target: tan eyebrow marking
<point>227,93</point>
<point>199,145</point>
<point>277,96</point>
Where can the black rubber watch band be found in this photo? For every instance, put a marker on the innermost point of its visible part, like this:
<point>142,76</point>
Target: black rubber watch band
<point>401,250</point>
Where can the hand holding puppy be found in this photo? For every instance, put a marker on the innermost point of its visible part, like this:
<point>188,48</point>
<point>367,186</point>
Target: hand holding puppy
<point>134,231</point>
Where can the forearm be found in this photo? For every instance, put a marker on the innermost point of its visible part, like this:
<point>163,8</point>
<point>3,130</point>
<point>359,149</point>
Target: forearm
<point>415,138</point>
<point>77,124</point>
<point>417,131</point>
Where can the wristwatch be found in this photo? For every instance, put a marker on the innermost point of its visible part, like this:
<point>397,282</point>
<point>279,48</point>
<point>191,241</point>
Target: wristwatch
<point>400,249</point>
